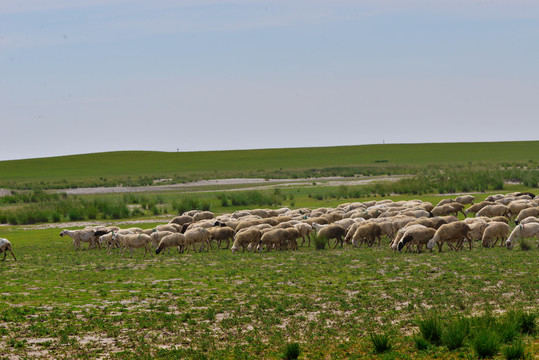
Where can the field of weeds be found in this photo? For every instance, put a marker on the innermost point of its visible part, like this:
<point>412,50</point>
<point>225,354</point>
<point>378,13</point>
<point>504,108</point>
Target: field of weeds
<point>56,302</point>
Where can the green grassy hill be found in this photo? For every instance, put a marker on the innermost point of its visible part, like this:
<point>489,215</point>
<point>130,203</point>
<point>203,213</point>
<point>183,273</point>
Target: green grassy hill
<point>215,164</point>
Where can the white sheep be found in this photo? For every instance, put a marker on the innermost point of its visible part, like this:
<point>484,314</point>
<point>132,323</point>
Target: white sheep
<point>522,231</point>
<point>418,235</point>
<point>171,240</point>
<point>304,230</point>
<point>134,241</point>
<point>195,236</point>
<point>530,219</point>
<point>108,240</point>
<point>495,230</point>
<point>156,236</point>
<point>533,211</point>
<point>5,246</point>
<point>78,236</point>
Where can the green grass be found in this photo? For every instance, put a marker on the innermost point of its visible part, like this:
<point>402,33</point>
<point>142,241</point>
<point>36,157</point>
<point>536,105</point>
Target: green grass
<point>218,305</point>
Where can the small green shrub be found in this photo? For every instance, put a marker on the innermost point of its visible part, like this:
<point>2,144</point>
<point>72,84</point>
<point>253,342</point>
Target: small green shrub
<point>526,244</point>
<point>431,329</point>
<point>319,242</point>
<point>526,322</point>
<point>514,351</point>
<point>381,342</point>
<point>291,351</point>
<point>486,343</point>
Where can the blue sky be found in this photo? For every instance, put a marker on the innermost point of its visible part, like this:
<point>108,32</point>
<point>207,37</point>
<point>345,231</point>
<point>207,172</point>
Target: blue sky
<point>89,76</point>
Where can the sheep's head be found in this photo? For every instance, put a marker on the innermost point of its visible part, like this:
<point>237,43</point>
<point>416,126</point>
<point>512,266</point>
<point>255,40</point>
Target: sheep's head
<point>158,250</point>
<point>430,244</point>
<point>63,233</point>
<point>233,249</point>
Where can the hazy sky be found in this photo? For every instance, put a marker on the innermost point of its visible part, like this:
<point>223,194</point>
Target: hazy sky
<point>80,76</point>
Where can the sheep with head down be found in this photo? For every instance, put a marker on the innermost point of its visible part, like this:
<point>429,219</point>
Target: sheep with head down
<point>367,233</point>
<point>244,239</point>
<point>494,210</point>
<point>171,240</point>
<point>333,231</point>
<point>495,230</point>
<point>533,211</point>
<point>522,231</point>
<point>418,235</point>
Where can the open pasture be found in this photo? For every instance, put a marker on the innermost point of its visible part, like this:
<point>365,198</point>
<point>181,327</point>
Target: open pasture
<point>60,303</point>
<point>142,168</point>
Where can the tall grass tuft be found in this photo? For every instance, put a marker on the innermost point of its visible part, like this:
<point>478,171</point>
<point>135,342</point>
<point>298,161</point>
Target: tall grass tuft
<point>380,342</point>
<point>514,351</point>
<point>486,343</point>
<point>291,351</point>
<point>431,329</point>
<point>455,332</point>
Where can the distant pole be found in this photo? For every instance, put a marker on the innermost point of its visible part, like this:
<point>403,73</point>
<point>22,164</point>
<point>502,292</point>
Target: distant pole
<point>384,141</point>
<point>177,149</point>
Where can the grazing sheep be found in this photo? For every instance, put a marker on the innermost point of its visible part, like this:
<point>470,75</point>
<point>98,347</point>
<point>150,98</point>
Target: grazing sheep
<point>495,230</point>
<point>476,230</point>
<point>203,215</point>
<point>197,235</point>
<point>245,238</point>
<point>352,229</point>
<point>465,199</point>
<point>419,236</point>
<point>134,241</point>
<point>170,240</point>
<point>304,230</point>
<point>443,210</point>
<point>495,197</point>
<point>534,211</point>
<point>444,201</point>
<point>478,206</point>
<point>367,233</point>
<point>5,246</point>
<point>220,234</point>
<point>108,240</point>
<point>522,231</point>
<point>493,210</point>
<point>292,236</point>
<point>318,226</point>
<point>169,227</point>
<point>531,219</point>
<point>78,236</point>
<point>333,231</point>
<point>394,243</point>
<point>454,232</point>
<point>516,207</point>
<point>181,220</point>
<point>274,238</point>
<point>156,237</point>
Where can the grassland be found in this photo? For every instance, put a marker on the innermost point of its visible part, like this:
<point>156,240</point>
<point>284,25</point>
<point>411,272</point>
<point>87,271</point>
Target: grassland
<point>136,168</point>
<point>56,302</point>
<point>60,303</point>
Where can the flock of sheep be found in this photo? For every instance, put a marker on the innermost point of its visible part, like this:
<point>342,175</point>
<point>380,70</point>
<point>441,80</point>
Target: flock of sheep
<point>407,224</point>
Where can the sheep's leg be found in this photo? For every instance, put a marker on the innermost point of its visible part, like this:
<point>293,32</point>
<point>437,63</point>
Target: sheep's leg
<point>5,253</point>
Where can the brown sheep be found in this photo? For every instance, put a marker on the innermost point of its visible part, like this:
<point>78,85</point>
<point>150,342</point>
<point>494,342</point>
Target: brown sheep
<point>173,239</point>
<point>181,220</point>
<point>248,237</point>
<point>453,232</point>
<point>476,207</point>
<point>333,231</point>
<point>367,233</point>
<point>493,210</point>
<point>221,234</point>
